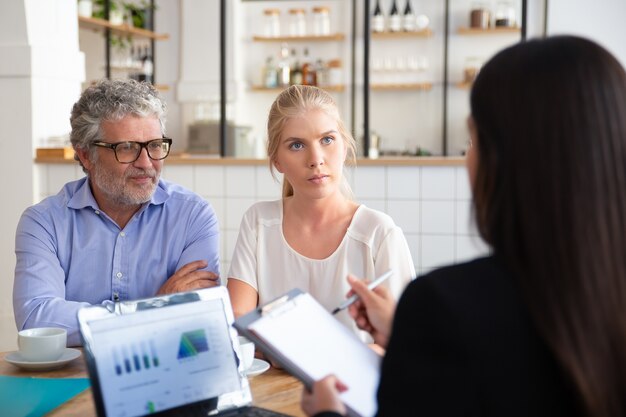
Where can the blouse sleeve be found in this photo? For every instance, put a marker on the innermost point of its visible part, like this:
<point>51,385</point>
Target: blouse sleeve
<point>244,262</point>
<point>394,253</point>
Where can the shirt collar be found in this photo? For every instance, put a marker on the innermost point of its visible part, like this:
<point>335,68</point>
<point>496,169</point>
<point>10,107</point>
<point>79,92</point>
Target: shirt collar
<point>83,197</point>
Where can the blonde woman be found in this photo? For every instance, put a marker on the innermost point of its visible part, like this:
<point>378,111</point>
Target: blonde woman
<point>316,234</point>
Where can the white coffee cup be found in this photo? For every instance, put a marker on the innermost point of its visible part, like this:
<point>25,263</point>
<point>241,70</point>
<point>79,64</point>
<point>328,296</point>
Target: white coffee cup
<point>246,348</point>
<point>42,344</point>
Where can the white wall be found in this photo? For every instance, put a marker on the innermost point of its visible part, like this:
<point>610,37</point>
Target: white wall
<point>599,20</point>
<point>40,74</point>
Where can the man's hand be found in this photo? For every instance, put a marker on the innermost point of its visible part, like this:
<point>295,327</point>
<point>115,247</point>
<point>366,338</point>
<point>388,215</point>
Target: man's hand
<point>190,277</point>
<point>324,396</point>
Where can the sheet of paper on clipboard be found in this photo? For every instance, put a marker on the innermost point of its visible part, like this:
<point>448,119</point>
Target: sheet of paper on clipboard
<point>310,343</point>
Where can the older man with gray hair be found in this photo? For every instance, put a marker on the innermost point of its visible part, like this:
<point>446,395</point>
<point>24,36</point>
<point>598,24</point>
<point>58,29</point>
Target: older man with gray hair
<point>121,232</point>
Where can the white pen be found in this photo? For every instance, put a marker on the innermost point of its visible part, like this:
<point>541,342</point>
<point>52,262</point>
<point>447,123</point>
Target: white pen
<point>370,287</point>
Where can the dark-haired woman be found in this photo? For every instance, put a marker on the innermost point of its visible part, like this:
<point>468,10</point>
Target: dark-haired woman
<point>539,327</point>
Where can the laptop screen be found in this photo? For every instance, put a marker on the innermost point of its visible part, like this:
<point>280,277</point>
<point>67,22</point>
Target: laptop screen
<point>164,353</point>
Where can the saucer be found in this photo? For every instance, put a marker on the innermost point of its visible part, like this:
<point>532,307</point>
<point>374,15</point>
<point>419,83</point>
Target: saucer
<point>16,359</point>
<point>258,367</point>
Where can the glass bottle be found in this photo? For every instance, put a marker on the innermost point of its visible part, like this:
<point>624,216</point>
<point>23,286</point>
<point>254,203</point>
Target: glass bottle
<point>321,72</point>
<point>309,74</point>
<point>283,66</point>
<point>295,76</point>
<point>270,73</point>
<point>378,20</point>
<point>409,20</point>
<point>272,23</point>
<point>395,21</point>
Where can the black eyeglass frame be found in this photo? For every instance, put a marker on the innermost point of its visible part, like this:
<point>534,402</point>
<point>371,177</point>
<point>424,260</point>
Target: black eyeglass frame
<point>142,145</point>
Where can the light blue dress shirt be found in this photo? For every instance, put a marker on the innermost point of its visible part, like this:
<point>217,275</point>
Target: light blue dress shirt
<point>70,254</point>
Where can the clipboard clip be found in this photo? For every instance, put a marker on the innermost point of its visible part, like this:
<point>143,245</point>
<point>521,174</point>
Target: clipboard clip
<point>274,304</point>
<point>277,306</point>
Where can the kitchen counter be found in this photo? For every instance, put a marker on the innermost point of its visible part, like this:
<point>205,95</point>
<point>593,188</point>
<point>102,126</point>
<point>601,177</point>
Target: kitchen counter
<point>193,159</point>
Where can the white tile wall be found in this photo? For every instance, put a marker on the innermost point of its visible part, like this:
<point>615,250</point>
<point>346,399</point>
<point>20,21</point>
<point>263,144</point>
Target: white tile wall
<point>406,214</point>
<point>268,187</point>
<point>437,250</point>
<point>182,175</point>
<point>403,183</point>
<point>370,182</point>
<point>438,183</point>
<point>209,181</point>
<point>432,204</point>
<point>438,217</point>
<point>240,181</point>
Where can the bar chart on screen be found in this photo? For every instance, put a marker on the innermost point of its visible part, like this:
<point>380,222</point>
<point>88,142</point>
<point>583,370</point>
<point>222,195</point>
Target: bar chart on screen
<point>135,358</point>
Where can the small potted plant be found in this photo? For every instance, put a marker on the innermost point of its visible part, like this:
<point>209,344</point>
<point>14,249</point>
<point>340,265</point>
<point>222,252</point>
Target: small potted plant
<point>116,11</point>
<point>140,14</point>
<point>85,8</point>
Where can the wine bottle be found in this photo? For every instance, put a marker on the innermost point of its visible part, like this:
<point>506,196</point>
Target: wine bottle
<point>270,73</point>
<point>378,20</point>
<point>395,21</point>
<point>309,75</point>
<point>409,18</point>
<point>147,67</point>
<point>283,67</point>
<point>295,77</point>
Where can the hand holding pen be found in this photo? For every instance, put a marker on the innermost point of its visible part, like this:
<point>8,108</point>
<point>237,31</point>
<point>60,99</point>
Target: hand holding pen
<point>374,310</point>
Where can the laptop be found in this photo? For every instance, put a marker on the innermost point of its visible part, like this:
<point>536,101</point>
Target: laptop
<point>174,355</point>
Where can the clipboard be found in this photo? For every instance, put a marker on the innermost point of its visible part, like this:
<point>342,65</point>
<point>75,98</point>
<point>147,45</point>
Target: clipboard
<point>305,339</point>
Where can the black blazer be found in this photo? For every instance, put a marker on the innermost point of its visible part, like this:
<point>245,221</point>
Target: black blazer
<point>463,344</point>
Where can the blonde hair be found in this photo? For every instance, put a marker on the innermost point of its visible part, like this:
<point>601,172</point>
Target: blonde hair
<point>293,102</point>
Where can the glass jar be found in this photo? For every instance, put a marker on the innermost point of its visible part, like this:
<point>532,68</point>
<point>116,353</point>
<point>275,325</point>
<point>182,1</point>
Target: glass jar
<point>335,73</point>
<point>271,23</point>
<point>480,16</point>
<point>321,21</point>
<point>471,69</point>
<point>297,22</point>
<point>505,14</point>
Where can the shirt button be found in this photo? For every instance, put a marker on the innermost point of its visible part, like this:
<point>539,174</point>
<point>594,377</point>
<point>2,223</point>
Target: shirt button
<point>122,234</point>
<point>116,296</point>
<point>119,275</point>
<point>97,212</point>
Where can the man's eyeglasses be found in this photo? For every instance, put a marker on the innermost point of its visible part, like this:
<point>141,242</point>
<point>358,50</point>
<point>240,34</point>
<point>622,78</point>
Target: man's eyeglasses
<point>128,152</point>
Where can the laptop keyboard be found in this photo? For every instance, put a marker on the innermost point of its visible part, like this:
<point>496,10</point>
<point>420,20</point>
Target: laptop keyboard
<point>251,412</point>
<point>201,411</point>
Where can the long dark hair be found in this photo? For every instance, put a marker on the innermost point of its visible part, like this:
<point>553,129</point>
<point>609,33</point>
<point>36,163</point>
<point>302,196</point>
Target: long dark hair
<point>550,198</point>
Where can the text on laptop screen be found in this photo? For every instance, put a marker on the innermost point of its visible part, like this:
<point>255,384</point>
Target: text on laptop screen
<point>158,359</point>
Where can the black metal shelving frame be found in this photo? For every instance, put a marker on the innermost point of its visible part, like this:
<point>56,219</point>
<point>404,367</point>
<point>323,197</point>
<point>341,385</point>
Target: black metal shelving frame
<point>366,71</point>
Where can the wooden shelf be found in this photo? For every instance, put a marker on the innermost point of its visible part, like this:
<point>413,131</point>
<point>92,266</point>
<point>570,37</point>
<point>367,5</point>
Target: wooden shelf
<point>464,85</point>
<point>424,33</point>
<point>489,31</point>
<point>396,87</point>
<point>97,24</point>
<point>334,37</point>
<point>335,88</point>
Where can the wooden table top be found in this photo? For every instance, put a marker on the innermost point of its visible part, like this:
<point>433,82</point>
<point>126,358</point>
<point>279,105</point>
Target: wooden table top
<point>275,389</point>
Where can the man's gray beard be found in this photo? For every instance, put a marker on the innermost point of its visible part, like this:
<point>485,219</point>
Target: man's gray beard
<point>117,190</point>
